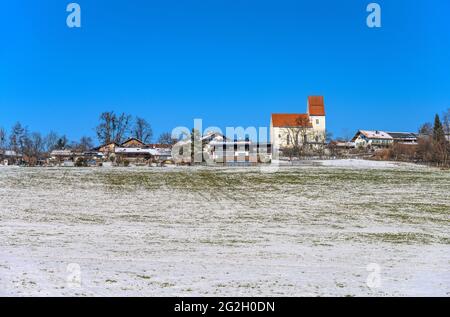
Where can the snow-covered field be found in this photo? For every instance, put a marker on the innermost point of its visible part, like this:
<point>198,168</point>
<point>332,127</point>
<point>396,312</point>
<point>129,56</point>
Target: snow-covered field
<point>344,228</point>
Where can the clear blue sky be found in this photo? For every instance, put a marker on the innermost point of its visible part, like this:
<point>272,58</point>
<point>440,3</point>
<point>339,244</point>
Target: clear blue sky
<point>231,63</point>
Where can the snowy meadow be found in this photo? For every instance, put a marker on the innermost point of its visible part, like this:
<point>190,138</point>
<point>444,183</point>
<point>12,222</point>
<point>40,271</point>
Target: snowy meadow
<point>339,228</point>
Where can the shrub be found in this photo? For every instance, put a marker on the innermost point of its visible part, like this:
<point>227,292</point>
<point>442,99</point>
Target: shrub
<point>403,152</point>
<point>80,162</point>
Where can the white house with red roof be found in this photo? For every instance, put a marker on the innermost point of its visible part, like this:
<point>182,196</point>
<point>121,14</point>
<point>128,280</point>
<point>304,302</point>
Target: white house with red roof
<point>309,127</point>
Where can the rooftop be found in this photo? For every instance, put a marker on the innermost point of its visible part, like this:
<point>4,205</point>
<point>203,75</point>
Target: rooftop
<point>403,135</point>
<point>316,106</point>
<point>376,134</point>
<point>290,120</point>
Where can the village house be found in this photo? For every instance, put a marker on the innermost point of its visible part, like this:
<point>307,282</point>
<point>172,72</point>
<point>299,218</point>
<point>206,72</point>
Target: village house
<point>379,139</point>
<point>367,138</point>
<point>225,151</point>
<point>107,148</point>
<point>133,154</point>
<point>93,158</point>
<point>9,157</point>
<point>69,158</point>
<point>287,130</point>
<point>239,153</point>
<point>404,137</point>
<point>137,152</point>
<point>163,152</point>
<point>220,150</point>
<point>133,143</point>
<point>62,158</point>
<point>233,152</point>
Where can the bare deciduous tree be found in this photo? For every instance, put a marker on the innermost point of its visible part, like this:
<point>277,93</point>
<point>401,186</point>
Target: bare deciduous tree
<point>166,138</point>
<point>51,140</point>
<point>446,121</point>
<point>425,149</point>
<point>86,143</point>
<point>17,137</point>
<point>297,137</point>
<point>2,139</point>
<point>320,141</point>
<point>122,127</point>
<point>290,152</point>
<point>34,145</point>
<point>113,128</point>
<point>62,143</point>
<point>105,128</point>
<point>426,129</point>
<point>142,130</point>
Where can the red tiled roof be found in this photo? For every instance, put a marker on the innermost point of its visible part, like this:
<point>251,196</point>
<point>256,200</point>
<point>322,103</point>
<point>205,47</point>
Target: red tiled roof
<point>316,106</point>
<point>290,120</point>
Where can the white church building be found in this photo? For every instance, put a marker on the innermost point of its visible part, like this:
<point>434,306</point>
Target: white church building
<point>289,129</point>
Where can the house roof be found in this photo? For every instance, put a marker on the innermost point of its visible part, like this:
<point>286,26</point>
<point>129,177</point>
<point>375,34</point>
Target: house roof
<point>103,145</point>
<point>138,150</point>
<point>159,146</point>
<point>290,120</point>
<point>376,134</point>
<point>403,135</point>
<point>9,153</point>
<point>135,150</point>
<point>214,135</point>
<point>132,139</point>
<point>61,153</point>
<point>240,142</point>
<point>316,106</point>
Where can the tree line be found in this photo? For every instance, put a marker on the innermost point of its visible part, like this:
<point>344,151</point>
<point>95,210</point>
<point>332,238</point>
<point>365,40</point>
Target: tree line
<point>111,127</point>
<point>433,145</point>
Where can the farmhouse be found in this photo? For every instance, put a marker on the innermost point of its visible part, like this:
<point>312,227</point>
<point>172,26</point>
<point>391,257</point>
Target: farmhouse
<point>68,158</point>
<point>8,157</point>
<point>367,138</point>
<point>377,138</point>
<point>239,153</point>
<point>287,130</point>
<point>404,137</point>
<point>218,149</point>
<point>107,148</point>
<point>136,151</point>
<point>233,152</point>
<point>64,157</point>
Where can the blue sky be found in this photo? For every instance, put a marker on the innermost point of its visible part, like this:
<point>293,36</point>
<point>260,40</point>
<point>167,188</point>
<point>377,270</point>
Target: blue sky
<point>231,63</point>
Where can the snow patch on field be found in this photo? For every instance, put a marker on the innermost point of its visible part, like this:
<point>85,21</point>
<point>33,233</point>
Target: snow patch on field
<point>357,163</point>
